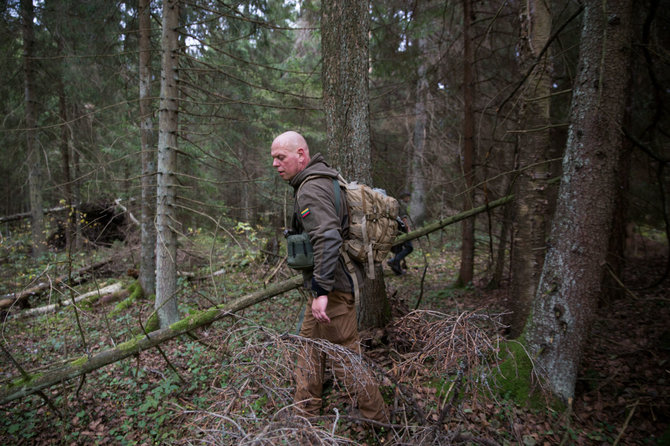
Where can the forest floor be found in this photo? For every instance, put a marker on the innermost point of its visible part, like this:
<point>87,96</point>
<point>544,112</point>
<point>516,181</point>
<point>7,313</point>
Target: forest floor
<point>438,367</point>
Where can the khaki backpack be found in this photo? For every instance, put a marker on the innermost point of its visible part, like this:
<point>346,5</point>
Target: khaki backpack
<point>373,223</point>
<point>373,226</point>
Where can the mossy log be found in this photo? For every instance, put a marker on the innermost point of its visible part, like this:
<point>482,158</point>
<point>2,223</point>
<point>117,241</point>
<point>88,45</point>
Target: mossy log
<point>20,388</point>
<point>425,230</point>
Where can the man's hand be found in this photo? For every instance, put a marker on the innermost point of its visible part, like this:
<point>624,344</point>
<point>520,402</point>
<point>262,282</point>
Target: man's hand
<point>319,309</point>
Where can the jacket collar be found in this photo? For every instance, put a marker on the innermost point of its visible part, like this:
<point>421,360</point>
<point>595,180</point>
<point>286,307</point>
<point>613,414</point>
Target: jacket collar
<point>316,166</point>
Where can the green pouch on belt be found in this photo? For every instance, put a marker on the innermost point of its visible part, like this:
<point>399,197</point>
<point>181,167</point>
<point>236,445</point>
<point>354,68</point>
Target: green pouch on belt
<point>300,253</point>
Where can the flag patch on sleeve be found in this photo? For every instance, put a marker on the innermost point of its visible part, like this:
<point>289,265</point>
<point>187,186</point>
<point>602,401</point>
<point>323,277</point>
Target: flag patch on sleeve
<point>304,213</point>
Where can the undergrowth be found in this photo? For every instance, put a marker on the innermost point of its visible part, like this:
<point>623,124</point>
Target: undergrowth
<point>444,370</point>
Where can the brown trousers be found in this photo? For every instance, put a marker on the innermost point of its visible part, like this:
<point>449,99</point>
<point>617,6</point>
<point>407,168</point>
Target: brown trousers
<point>342,330</point>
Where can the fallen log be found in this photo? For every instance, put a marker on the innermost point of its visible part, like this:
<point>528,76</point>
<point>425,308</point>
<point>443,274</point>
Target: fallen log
<point>425,230</point>
<point>22,387</point>
<point>114,288</point>
<point>22,215</point>
<point>77,277</point>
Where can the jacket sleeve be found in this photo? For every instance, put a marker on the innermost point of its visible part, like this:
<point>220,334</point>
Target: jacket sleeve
<point>316,210</point>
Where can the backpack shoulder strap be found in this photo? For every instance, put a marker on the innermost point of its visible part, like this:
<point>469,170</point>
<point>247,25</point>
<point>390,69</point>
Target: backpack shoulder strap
<point>336,188</point>
<point>338,194</point>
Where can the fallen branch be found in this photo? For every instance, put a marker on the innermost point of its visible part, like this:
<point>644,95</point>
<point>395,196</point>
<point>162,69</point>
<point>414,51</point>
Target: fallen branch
<point>625,424</point>
<point>22,215</point>
<point>77,277</point>
<point>111,289</point>
<point>451,220</point>
<point>125,209</point>
<point>23,387</point>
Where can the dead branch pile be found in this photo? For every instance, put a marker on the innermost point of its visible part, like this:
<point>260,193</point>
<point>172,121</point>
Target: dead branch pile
<point>255,401</point>
<point>443,343</point>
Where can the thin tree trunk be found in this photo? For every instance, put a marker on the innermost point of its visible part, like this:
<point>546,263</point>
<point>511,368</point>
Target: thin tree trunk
<point>166,240</point>
<point>531,204</point>
<point>76,195</point>
<point>417,205</point>
<point>499,268</point>
<point>466,272</point>
<point>571,282</point>
<point>65,144</point>
<point>147,277</point>
<point>33,156</point>
<point>65,155</point>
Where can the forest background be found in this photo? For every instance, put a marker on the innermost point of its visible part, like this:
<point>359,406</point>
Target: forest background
<point>135,145</point>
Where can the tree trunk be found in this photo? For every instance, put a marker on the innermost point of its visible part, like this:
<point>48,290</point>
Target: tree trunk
<point>65,155</point>
<point>417,205</point>
<point>570,286</point>
<point>166,216</point>
<point>147,277</point>
<point>65,145</point>
<point>466,272</point>
<point>531,205</point>
<point>33,156</point>
<point>499,267</point>
<point>344,42</point>
<point>76,196</point>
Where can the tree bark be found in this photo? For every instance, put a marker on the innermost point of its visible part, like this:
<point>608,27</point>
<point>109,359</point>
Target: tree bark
<point>166,240</point>
<point>33,156</point>
<point>570,286</point>
<point>466,271</point>
<point>147,277</point>
<point>531,205</point>
<point>344,45</point>
<point>345,26</point>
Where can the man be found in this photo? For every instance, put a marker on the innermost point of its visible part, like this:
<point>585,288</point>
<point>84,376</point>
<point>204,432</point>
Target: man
<point>331,311</point>
<point>405,249</point>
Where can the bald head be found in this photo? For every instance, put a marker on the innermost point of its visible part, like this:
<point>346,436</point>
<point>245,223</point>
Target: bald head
<point>290,154</point>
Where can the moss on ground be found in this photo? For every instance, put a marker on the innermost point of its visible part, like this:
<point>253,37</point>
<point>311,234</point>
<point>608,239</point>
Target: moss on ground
<point>516,381</point>
<point>135,293</point>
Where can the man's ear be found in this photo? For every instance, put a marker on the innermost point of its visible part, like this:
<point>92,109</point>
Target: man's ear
<point>301,153</point>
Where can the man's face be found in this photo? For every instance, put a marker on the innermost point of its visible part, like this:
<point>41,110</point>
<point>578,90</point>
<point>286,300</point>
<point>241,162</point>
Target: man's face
<point>287,162</point>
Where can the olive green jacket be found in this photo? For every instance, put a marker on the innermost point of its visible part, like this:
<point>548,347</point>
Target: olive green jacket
<point>327,227</point>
